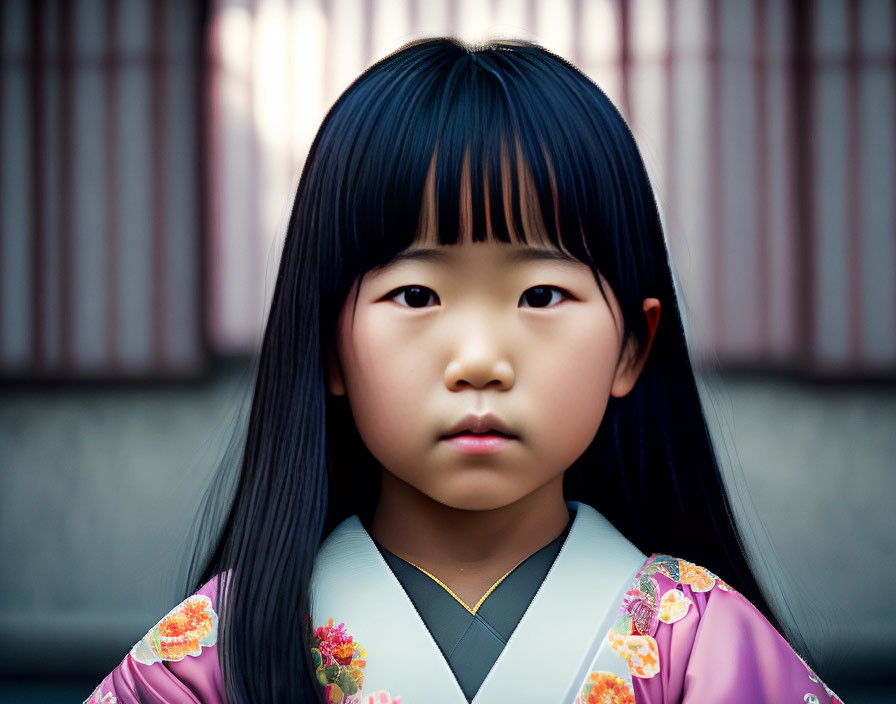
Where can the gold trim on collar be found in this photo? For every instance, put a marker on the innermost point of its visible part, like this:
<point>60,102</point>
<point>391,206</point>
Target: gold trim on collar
<point>456,597</point>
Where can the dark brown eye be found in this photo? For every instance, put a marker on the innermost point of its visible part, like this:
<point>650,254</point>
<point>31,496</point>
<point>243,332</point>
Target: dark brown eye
<point>542,296</point>
<point>414,296</point>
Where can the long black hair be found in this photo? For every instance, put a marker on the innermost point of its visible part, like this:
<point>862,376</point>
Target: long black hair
<point>513,139</point>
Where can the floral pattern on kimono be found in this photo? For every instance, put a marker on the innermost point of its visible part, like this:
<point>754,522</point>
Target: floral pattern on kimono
<point>339,666</point>
<point>605,688</point>
<point>184,631</point>
<point>680,636</point>
<point>679,624</point>
<point>97,698</point>
<point>176,661</point>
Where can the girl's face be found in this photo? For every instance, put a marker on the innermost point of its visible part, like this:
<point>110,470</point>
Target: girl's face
<point>474,328</point>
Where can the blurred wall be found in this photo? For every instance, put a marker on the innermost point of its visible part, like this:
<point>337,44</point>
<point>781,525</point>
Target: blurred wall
<point>151,151</point>
<point>100,189</point>
<point>767,129</point>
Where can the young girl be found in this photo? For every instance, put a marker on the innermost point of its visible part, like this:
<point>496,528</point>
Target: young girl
<point>474,419</point>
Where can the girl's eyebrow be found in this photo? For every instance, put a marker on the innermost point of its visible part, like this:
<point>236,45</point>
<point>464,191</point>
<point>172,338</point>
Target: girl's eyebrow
<point>441,256</point>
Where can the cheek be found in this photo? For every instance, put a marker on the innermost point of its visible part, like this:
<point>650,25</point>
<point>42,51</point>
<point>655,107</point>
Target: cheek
<point>573,395</point>
<point>383,380</point>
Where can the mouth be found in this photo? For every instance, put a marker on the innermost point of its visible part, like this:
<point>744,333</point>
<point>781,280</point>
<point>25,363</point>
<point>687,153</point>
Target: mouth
<point>474,425</point>
<point>483,434</point>
<point>480,434</point>
<point>487,442</point>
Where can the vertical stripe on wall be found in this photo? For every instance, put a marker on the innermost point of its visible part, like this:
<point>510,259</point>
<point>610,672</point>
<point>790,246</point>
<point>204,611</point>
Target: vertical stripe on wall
<point>782,239</point>
<point>16,324</point>
<point>688,224</point>
<point>802,88</point>
<point>738,326</point>
<point>15,332</point>
<point>714,253</point>
<point>830,288</point>
<point>647,107</point>
<point>50,201</point>
<point>233,274</point>
<point>762,209</point>
<point>157,60</point>
<point>600,46</point>
<point>273,163</point>
<point>625,35</point>
<point>182,332</point>
<point>135,115</point>
<point>853,167</point>
<point>112,180</point>
<point>88,254</point>
<point>669,122</point>
<point>89,147</point>
<point>37,161</point>
<point>66,185</point>
<point>876,154</point>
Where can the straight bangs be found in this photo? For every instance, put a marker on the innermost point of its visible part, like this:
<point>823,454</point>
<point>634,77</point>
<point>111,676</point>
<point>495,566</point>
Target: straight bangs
<point>457,144</point>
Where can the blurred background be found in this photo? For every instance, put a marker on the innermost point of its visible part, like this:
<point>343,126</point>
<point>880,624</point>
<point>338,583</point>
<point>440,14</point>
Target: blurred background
<point>149,150</point>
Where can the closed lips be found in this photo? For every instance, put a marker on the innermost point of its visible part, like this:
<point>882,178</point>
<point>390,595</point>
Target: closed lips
<point>484,432</point>
<point>480,424</point>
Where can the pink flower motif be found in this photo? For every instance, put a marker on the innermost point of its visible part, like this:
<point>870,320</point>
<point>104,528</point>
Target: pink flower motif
<point>335,644</point>
<point>641,608</point>
<point>339,663</point>
<point>380,696</point>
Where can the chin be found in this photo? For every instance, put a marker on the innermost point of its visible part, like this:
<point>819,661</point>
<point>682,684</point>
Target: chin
<point>482,495</point>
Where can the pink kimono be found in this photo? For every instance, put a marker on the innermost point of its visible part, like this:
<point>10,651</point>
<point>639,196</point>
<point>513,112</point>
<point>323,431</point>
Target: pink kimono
<point>669,632</point>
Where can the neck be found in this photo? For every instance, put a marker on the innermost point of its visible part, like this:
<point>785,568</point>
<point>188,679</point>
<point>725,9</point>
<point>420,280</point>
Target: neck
<point>448,540</point>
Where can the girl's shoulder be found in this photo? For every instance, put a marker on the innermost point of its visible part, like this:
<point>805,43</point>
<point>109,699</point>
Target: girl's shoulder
<point>680,617</point>
<point>176,661</point>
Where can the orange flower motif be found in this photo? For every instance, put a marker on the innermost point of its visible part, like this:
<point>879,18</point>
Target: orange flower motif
<point>673,606</point>
<point>342,653</point>
<point>605,688</point>
<point>701,580</point>
<point>640,652</point>
<point>184,631</point>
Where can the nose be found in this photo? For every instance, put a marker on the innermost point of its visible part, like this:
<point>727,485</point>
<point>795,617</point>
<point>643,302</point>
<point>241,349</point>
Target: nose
<point>479,362</point>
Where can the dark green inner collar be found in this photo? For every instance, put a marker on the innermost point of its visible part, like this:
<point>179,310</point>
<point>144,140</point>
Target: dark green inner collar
<point>471,643</point>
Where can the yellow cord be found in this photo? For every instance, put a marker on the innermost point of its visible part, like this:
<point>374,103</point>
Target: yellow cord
<point>456,597</point>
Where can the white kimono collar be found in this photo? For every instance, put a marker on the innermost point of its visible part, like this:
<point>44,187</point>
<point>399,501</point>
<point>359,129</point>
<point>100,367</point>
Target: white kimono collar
<point>548,653</point>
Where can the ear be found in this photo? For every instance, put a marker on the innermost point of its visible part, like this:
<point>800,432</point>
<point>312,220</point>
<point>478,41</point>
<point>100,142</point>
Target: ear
<point>633,360</point>
<point>335,382</point>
